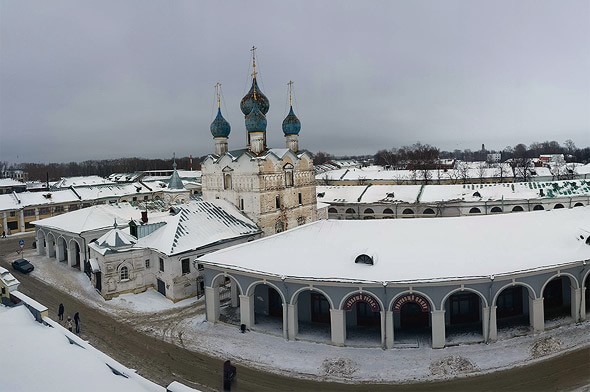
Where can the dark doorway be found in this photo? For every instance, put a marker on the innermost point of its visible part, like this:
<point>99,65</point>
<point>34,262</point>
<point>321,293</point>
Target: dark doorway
<point>320,308</point>
<point>98,276</point>
<point>412,316</point>
<point>161,287</point>
<point>365,315</point>
<point>275,304</point>
<point>556,299</point>
<point>464,308</point>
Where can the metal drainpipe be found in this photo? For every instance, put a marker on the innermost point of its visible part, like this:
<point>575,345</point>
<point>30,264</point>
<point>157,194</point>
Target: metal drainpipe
<point>490,307</point>
<point>581,290</point>
<point>384,346</point>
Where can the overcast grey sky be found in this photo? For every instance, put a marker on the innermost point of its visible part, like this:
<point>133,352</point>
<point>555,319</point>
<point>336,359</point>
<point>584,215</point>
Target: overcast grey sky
<point>105,79</point>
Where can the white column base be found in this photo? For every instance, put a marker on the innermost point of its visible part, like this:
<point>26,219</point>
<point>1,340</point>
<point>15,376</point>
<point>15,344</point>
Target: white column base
<point>438,328</point>
<point>338,326</point>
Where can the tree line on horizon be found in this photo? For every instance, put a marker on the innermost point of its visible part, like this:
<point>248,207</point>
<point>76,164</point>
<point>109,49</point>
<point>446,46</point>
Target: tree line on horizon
<point>417,156</point>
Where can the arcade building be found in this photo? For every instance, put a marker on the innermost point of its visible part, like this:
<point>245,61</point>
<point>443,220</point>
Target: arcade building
<point>406,283</point>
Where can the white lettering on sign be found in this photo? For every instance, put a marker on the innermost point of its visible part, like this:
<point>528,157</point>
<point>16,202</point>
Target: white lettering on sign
<point>418,299</point>
<point>362,297</point>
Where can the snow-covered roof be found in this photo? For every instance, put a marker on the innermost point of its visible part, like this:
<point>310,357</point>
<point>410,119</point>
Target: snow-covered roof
<point>71,195</point>
<point>416,250</point>
<point>116,238</point>
<point>97,217</point>
<point>6,182</point>
<point>464,192</point>
<point>470,170</point>
<point>368,194</point>
<point>67,182</point>
<point>198,224</point>
<point>8,279</point>
<point>44,353</point>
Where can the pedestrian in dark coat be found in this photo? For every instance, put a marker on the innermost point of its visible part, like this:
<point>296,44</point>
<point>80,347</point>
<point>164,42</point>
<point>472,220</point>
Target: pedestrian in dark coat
<point>77,322</point>
<point>69,325</point>
<point>60,312</point>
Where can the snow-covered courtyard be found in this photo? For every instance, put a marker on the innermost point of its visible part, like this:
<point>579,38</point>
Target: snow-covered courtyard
<point>184,324</point>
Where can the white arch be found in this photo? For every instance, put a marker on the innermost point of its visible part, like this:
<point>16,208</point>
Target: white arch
<point>430,301</point>
<point>309,288</point>
<point>41,231</point>
<point>73,240</point>
<point>529,287</point>
<point>361,292</point>
<point>265,282</point>
<point>584,279</point>
<point>483,298</point>
<point>228,276</point>
<point>572,279</point>
<point>50,233</point>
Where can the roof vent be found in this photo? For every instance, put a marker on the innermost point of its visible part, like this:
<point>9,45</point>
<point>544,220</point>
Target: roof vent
<point>390,194</point>
<point>321,194</point>
<point>364,259</point>
<point>476,194</point>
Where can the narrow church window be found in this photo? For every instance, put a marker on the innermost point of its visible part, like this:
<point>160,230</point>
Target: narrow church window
<point>278,201</point>
<point>227,181</point>
<point>185,266</point>
<point>288,175</point>
<point>300,199</point>
<point>161,264</point>
<point>242,204</point>
<point>124,273</point>
<point>147,263</point>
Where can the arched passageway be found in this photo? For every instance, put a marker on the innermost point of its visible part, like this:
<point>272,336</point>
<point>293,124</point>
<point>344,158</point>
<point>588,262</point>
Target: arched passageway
<point>411,321</point>
<point>228,300</point>
<point>463,318</point>
<point>62,250</point>
<point>268,309</point>
<point>557,300</point>
<point>363,320</point>
<point>51,245</point>
<point>512,311</point>
<point>313,316</point>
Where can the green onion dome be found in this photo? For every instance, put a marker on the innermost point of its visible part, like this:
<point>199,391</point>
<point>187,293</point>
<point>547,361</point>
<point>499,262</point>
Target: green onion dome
<point>291,124</point>
<point>220,127</point>
<point>254,95</point>
<point>255,120</point>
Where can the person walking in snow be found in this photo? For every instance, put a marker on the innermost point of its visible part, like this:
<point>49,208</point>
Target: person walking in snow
<point>60,312</point>
<point>77,322</point>
<point>69,325</point>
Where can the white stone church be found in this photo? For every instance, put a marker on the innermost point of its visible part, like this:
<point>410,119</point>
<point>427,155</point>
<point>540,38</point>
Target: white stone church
<point>275,187</point>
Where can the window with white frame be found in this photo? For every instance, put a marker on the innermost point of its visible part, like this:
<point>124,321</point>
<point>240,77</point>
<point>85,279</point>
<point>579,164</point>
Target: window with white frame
<point>124,273</point>
<point>161,264</point>
<point>147,263</point>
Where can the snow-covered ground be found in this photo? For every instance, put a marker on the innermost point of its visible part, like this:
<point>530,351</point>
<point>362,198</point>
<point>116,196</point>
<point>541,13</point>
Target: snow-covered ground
<point>414,361</point>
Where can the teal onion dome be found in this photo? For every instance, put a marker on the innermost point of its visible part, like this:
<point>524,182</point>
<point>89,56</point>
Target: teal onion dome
<point>291,124</point>
<point>255,120</point>
<point>247,102</point>
<point>220,127</point>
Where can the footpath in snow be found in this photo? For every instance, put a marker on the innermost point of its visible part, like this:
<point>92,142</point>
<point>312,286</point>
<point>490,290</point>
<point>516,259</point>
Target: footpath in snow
<point>271,352</point>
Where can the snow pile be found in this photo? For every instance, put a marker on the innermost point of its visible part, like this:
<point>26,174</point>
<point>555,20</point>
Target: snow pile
<point>340,367</point>
<point>452,365</point>
<point>545,346</point>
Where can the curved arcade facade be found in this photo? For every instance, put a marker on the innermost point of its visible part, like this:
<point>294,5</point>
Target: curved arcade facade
<point>403,283</point>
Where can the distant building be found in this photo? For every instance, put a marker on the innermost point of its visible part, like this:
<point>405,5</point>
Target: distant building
<point>494,157</point>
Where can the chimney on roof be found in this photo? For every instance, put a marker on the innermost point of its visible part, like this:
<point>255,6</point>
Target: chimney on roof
<point>144,217</point>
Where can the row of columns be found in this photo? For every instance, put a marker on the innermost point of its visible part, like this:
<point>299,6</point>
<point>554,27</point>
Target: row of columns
<point>57,250</point>
<point>338,318</point>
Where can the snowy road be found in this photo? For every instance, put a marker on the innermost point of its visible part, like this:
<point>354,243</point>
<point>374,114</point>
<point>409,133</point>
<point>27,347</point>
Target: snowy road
<point>163,362</point>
